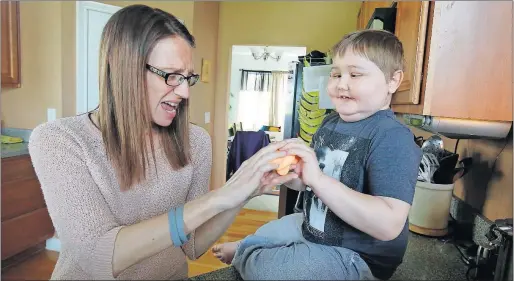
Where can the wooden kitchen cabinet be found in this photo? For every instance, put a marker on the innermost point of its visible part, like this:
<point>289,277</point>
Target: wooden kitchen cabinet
<point>411,29</point>
<point>10,40</point>
<point>458,59</point>
<point>26,223</point>
<point>469,72</point>
<point>367,9</point>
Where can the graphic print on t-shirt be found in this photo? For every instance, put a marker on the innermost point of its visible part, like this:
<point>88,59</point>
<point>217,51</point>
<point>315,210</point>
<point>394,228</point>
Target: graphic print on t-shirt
<point>341,157</point>
<point>331,163</point>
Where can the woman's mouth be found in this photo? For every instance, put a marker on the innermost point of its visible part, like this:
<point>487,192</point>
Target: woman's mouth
<point>170,108</point>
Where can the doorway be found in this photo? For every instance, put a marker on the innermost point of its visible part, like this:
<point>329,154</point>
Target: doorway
<point>91,19</point>
<point>258,89</point>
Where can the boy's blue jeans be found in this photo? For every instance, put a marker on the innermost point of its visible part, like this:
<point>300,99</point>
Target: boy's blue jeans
<point>278,251</point>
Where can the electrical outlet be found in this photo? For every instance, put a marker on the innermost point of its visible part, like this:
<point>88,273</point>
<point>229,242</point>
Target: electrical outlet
<point>207,117</point>
<point>51,114</point>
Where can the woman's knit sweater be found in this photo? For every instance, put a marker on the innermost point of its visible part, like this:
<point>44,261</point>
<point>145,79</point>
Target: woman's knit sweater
<point>88,208</point>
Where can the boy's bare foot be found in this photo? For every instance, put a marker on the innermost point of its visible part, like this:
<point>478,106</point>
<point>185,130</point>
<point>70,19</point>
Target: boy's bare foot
<point>225,252</point>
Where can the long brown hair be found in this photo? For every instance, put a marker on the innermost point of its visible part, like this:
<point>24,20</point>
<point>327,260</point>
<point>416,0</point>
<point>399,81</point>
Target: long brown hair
<point>124,115</point>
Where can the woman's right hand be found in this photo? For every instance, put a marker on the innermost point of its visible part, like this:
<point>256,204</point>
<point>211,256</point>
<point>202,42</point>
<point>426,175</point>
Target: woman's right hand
<point>247,181</point>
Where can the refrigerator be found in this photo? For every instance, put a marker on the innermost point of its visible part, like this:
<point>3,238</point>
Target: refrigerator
<point>307,104</point>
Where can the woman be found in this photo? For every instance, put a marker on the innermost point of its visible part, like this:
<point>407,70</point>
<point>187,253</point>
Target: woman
<point>127,186</point>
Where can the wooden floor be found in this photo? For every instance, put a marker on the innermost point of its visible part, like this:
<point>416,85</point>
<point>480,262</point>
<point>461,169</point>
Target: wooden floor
<point>40,267</point>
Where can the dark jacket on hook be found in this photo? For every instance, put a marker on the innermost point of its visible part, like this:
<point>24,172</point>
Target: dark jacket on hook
<point>244,146</point>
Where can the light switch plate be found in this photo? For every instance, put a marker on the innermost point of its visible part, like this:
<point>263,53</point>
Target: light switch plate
<point>207,117</point>
<point>51,114</point>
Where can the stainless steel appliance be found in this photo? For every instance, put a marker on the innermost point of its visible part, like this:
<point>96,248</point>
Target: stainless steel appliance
<point>503,243</point>
<point>494,261</point>
<point>292,125</point>
<point>295,90</point>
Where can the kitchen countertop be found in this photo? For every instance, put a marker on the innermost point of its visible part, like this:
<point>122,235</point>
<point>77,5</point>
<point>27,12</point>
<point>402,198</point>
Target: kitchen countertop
<point>15,149</point>
<point>426,258</point>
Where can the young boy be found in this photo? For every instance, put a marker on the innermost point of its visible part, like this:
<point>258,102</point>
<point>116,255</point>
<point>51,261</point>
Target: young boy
<point>358,177</point>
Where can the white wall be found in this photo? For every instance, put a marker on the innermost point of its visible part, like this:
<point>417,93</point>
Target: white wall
<point>242,59</point>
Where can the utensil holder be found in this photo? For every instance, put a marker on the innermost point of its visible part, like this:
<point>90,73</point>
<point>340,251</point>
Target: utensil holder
<point>430,209</point>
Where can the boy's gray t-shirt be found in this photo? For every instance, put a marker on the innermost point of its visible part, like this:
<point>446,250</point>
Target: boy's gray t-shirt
<point>376,156</point>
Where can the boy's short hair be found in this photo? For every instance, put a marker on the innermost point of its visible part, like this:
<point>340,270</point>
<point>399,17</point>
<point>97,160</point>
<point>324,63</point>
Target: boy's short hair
<point>379,46</point>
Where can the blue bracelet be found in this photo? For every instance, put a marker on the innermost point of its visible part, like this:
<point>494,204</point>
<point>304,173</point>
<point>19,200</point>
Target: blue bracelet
<point>180,225</point>
<point>175,237</point>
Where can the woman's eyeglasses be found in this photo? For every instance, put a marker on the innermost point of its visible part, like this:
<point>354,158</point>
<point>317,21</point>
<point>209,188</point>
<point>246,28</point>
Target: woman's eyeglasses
<point>174,79</point>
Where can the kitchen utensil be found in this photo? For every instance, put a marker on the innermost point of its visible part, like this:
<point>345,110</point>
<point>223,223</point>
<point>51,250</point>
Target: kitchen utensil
<point>423,173</point>
<point>446,171</point>
<point>444,153</point>
<point>419,140</point>
<point>434,145</point>
<point>457,174</point>
<point>431,158</point>
<point>466,162</point>
<point>463,168</point>
<point>427,167</point>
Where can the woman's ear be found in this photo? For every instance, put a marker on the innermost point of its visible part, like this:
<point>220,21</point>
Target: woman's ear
<point>395,81</point>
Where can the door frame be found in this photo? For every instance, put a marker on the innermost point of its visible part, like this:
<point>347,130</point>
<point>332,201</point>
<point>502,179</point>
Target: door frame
<point>82,9</point>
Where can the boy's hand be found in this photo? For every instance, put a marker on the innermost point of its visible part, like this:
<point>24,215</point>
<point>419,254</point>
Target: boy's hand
<point>308,168</point>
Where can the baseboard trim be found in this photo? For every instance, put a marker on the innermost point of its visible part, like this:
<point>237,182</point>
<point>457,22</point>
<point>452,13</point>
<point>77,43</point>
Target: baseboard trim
<point>53,244</point>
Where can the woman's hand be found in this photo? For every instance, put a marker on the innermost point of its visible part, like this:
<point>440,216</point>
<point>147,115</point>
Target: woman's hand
<point>272,179</point>
<point>308,168</point>
<point>253,176</point>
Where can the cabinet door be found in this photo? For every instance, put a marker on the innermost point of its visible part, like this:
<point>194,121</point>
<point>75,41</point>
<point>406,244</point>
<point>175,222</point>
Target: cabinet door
<point>366,11</point>
<point>26,231</point>
<point>10,44</point>
<point>411,29</point>
<point>469,72</point>
<point>21,191</point>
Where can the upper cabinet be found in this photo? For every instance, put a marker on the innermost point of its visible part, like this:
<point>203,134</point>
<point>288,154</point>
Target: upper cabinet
<point>458,58</point>
<point>469,70</point>
<point>10,17</point>
<point>411,29</point>
<point>366,11</point>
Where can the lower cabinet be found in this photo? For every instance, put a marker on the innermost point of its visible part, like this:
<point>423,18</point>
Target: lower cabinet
<point>26,223</point>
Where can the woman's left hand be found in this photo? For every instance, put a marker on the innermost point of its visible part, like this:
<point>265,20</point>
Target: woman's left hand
<point>308,167</point>
<point>272,179</point>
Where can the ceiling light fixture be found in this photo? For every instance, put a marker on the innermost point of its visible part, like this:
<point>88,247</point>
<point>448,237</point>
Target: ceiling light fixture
<point>265,55</point>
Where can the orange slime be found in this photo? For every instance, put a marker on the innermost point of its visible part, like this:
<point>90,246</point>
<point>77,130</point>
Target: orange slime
<point>285,163</point>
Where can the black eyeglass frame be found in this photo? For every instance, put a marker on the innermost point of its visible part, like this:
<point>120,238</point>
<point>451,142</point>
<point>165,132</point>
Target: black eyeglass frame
<point>166,75</point>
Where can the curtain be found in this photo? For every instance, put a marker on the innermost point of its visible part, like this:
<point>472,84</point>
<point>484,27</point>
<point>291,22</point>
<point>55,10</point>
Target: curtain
<point>261,99</point>
<point>277,98</point>
<point>255,81</point>
<point>253,109</point>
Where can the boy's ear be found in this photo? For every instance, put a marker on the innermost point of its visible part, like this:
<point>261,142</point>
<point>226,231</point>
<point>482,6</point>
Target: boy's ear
<point>395,81</point>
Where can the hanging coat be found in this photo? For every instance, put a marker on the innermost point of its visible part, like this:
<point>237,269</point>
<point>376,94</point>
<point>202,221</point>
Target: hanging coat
<point>244,146</point>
